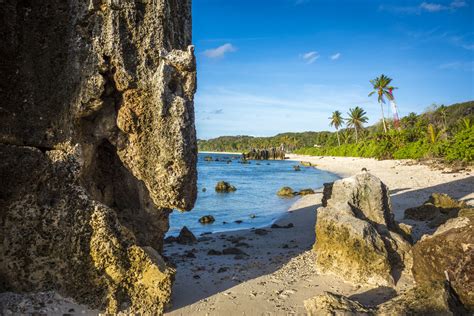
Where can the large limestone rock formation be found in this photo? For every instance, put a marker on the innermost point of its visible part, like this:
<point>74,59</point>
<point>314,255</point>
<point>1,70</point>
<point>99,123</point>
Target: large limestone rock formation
<point>437,209</point>
<point>356,235</point>
<point>448,254</point>
<point>97,145</point>
<point>265,154</point>
<point>432,299</point>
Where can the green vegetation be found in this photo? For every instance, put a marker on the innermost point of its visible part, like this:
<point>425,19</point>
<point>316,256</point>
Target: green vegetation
<point>440,132</point>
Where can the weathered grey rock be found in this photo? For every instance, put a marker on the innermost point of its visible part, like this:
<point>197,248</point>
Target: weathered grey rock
<point>356,235</point>
<point>329,304</point>
<point>327,192</point>
<point>186,237</point>
<point>432,299</point>
<point>448,253</point>
<point>427,299</point>
<point>97,145</point>
<point>307,164</point>
<point>437,209</point>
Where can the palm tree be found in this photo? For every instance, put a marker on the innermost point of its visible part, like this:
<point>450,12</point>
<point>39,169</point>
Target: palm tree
<point>381,86</point>
<point>443,111</point>
<point>465,123</point>
<point>336,121</point>
<point>357,118</point>
<point>434,135</point>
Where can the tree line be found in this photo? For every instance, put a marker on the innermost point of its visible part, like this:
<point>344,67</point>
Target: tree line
<point>440,131</point>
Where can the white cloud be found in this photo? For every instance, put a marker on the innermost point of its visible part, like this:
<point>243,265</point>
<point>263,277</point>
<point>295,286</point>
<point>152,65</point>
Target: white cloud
<point>432,7</point>
<point>424,7</point>
<point>457,65</point>
<point>250,111</point>
<point>468,46</point>
<point>311,57</point>
<point>458,4</point>
<point>336,56</point>
<point>220,51</point>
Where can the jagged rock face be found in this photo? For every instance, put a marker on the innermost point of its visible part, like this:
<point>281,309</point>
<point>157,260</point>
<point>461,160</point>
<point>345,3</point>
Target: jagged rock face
<point>437,209</point>
<point>265,154</point>
<point>448,253</point>
<point>356,235</point>
<point>97,145</point>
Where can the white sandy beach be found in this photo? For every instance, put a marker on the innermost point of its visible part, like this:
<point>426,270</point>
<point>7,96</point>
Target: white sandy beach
<point>279,274</point>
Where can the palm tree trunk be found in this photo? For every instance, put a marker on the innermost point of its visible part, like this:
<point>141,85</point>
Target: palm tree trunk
<point>383,118</point>
<point>338,141</point>
<point>357,140</point>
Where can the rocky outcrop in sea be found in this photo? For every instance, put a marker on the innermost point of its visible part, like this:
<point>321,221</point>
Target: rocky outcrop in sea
<point>265,154</point>
<point>97,145</point>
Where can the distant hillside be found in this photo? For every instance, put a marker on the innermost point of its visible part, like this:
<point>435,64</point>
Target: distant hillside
<point>443,121</point>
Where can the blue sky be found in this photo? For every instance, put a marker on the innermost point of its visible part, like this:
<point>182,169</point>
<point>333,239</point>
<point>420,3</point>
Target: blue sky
<point>270,66</point>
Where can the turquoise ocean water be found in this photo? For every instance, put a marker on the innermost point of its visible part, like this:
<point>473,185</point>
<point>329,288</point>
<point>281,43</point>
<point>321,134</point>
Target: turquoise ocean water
<point>256,183</point>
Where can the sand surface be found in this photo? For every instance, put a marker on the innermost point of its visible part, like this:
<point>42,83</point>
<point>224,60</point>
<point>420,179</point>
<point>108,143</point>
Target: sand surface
<point>277,272</point>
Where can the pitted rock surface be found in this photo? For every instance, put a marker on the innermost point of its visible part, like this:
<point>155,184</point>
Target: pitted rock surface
<point>356,235</point>
<point>97,145</point>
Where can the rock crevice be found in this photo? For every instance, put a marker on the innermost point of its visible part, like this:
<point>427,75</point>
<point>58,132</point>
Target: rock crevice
<point>97,146</point>
<point>357,237</point>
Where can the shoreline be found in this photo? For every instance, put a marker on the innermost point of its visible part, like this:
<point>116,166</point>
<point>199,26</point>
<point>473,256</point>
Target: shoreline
<point>279,274</point>
<point>220,152</point>
<point>276,271</point>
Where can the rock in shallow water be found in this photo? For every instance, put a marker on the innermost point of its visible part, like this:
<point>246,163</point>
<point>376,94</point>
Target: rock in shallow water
<point>356,235</point>
<point>225,187</point>
<point>207,219</point>
<point>286,192</point>
<point>306,192</point>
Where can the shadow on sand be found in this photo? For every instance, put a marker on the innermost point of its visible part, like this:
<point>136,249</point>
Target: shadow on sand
<point>205,275</point>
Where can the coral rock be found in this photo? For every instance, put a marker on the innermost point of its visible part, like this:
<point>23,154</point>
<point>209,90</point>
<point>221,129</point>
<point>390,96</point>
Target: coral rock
<point>224,187</point>
<point>97,146</point>
<point>356,235</point>
<point>448,253</point>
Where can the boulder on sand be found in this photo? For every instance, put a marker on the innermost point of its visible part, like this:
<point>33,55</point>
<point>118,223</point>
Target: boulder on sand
<point>186,237</point>
<point>448,253</point>
<point>224,187</point>
<point>433,299</point>
<point>357,237</point>
<point>334,304</point>
<point>437,209</point>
